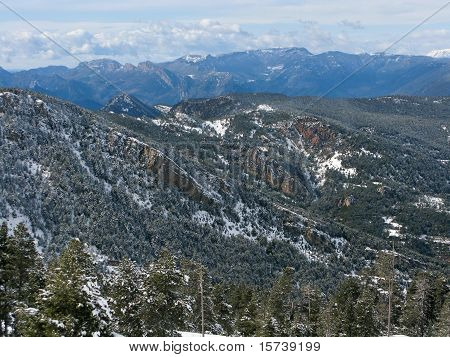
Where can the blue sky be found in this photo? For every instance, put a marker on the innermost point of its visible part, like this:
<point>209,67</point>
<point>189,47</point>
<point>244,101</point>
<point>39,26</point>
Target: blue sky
<point>137,30</point>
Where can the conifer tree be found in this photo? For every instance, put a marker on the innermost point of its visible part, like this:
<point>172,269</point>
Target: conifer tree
<point>387,282</point>
<point>247,323</point>
<point>28,266</point>
<point>22,275</point>
<point>423,301</point>
<point>5,307</point>
<point>163,307</point>
<point>278,311</point>
<point>367,323</point>
<point>328,324</point>
<point>71,303</point>
<point>308,311</point>
<point>441,327</point>
<point>222,308</point>
<point>343,310</point>
<point>195,275</point>
<point>125,299</point>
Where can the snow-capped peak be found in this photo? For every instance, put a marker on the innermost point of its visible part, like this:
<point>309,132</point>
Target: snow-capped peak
<point>444,53</point>
<point>193,58</point>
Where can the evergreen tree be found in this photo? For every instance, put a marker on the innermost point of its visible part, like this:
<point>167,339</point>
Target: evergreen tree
<point>308,311</point>
<point>367,322</point>
<point>71,303</point>
<point>441,327</point>
<point>343,309</point>
<point>163,308</point>
<point>278,311</point>
<point>328,324</point>
<point>387,282</point>
<point>222,308</point>
<point>197,287</point>
<point>21,275</point>
<point>28,266</point>
<point>424,300</point>
<point>5,303</point>
<point>125,299</point>
<point>247,322</point>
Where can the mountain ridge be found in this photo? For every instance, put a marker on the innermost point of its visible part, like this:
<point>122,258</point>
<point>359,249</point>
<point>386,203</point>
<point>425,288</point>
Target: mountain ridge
<point>289,71</point>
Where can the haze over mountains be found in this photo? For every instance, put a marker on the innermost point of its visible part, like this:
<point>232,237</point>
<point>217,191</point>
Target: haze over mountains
<point>290,71</point>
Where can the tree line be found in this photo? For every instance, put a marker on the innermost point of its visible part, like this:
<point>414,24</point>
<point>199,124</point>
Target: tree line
<point>75,295</point>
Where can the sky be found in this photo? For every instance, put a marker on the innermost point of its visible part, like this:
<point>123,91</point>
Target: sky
<point>133,31</point>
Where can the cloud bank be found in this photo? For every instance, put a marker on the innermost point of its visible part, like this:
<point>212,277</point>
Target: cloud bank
<point>164,40</point>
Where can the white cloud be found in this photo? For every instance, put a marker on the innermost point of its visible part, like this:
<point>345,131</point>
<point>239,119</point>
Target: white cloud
<point>355,25</point>
<point>163,40</point>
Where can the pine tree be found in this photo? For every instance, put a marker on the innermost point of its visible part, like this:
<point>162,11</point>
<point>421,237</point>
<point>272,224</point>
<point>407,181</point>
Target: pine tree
<point>441,327</point>
<point>367,323</point>
<point>278,311</point>
<point>28,266</point>
<point>308,311</point>
<point>247,323</point>
<point>125,299</point>
<point>22,275</point>
<point>163,307</point>
<point>419,304</point>
<point>198,287</point>
<point>343,310</point>
<point>425,299</point>
<point>387,282</point>
<point>71,303</point>
<point>328,324</point>
<point>5,307</point>
<point>222,308</point>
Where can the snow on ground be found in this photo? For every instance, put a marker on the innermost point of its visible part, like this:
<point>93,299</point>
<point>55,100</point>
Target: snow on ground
<point>432,202</point>
<point>194,58</point>
<point>369,153</point>
<point>14,218</point>
<point>203,218</point>
<point>394,230</point>
<point>163,108</point>
<point>333,163</point>
<point>195,334</point>
<point>275,68</point>
<point>265,108</point>
<point>219,126</point>
<point>223,160</point>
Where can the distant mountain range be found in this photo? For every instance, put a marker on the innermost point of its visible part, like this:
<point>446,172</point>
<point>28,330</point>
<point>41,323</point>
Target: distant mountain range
<point>289,71</point>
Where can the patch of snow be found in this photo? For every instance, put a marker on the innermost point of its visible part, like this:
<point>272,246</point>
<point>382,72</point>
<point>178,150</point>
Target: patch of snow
<point>369,153</point>
<point>443,53</point>
<point>163,108</point>
<point>427,201</point>
<point>275,68</point>
<point>195,334</point>
<point>219,126</point>
<point>203,218</point>
<point>194,58</point>
<point>333,163</point>
<point>394,230</point>
<point>264,108</point>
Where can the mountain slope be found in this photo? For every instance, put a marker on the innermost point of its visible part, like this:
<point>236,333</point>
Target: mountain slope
<point>243,181</point>
<point>127,104</point>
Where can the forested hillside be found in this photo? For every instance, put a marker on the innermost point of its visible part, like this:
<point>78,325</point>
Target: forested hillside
<point>80,294</point>
<point>253,187</point>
